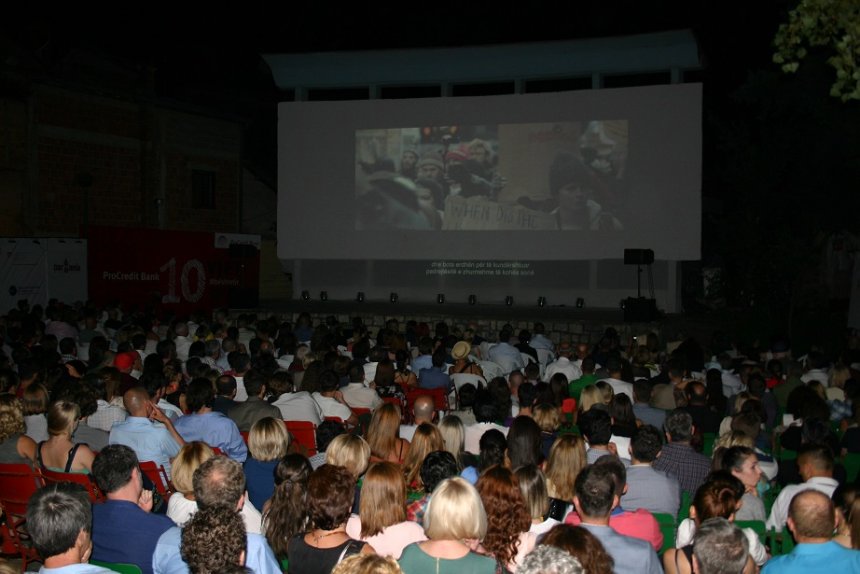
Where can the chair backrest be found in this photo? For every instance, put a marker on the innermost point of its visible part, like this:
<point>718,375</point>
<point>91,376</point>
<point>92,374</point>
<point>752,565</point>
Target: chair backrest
<point>244,436</point>
<point>851,462</point>
<point>668,528</point>
<point>304,433</point>
<point>18,482</point>
<point>708,440</point>
<point>460,379</point>
<point>545,356</point>
<point>158,476</point>
<point>118,567</point>
<point>93,491</point>
<point>492,369</point>
<point>757,526</point>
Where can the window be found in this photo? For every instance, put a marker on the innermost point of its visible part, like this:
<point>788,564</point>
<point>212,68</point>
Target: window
<point>202,189</point>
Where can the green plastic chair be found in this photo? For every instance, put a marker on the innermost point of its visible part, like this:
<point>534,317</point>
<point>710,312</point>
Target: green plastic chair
<point>851,462</point>
<point>708,440</point>
<point>757,526</point>
<point>684,510</point>
<point>667,529</point>
<point>285,565</point>
<point>118,567</point>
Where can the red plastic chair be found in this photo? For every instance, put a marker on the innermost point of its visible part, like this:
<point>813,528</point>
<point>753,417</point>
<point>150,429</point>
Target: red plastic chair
<point>18,482</point>
<point>304,433</point>
<point>244,436</point>
<point>158,476</point>
<point>93,491</point>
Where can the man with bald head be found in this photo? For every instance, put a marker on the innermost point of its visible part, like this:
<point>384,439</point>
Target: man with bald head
<point>423,411</point>
<point>147,430</point>
<point>812,520</point>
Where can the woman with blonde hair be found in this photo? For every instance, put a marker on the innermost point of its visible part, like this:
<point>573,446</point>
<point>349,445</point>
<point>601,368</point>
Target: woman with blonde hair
<point>566,460</point>
<point>367,564</point>
<point>426,439</point>
<point>182,504</point>
<point>606,391</point>
<point>349,451</point>
<point>454,436</point>
<point>381,521</point>
<point>268,442</point>
<point>383,435</point>
<point>59,453</point>
<point>455,522</point>
<point>589,397</point>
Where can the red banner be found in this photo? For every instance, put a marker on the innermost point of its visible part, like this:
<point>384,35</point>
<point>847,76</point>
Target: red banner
<point>177,270</point>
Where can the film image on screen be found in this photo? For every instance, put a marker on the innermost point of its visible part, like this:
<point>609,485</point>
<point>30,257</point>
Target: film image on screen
<point>529,176</point>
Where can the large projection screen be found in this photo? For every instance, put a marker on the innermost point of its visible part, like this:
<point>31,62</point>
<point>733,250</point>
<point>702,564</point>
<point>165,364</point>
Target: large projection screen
<point>542,177</point>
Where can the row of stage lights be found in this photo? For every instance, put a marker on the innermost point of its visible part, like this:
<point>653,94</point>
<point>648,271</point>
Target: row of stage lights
<point>440,299</point>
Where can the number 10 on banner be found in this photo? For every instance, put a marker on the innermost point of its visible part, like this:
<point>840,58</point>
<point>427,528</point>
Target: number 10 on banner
<point>191,292</point>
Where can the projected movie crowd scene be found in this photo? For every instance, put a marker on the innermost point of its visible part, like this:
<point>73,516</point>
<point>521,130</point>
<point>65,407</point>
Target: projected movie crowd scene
<point>535,176</point>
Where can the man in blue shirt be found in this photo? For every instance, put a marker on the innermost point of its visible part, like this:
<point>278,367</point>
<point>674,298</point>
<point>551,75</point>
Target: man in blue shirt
<point>217,482</point>
<point>124,529</point>
<point>147,430</point>
<point>812,519</point>
<point>211,427</point>
<point>435,377</point>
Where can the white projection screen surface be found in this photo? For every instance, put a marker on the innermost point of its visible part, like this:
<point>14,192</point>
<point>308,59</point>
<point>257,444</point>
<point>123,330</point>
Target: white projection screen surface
<point>541,177</point>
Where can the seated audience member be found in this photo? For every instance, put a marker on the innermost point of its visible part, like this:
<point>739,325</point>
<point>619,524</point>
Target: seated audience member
<point>426,439</point>
<point>640,523</point>
<point>268,442</point>
<point>718,497</point>
<point>847,504</point>
<point>582,545</point>
<point>566,460</point>
<point>218,482</point>
<point>548,418</point>
<point>742,462</point>
<point>466,404</point>
<point>59,453</point>
<point>720,547</point>
<point>423,411</point>
<point>381,521</point>
<point>508,539</point>
<point>383,435</point>
<point>642,408</point>
<point>325,434</point>
<point>331,401</point>
<point>596,428</point>
<point>86,396</point>
<point>532,485</point>
<point>815,464</point>
<point>493,446</point>
<point>246,413</point>
<point>214,540</point>
<point>35,406</point>
<point>563,364</point>
<point>356,394</point>
<point>15,446</point>
<point>678,459</point>
<point>285,515</point>
<point>437,466</point>
<point>524,442</point>
<point>182,504</point>
<point>455,517</point>
<point>704,419</point>
<point>126,514</point>
<point>811,520</point>
<point>59,522</point>
<point>596,497</point>
<point>648,488</point>
<point>454,438</point>
<point>436,377</point>
<point>205,425</point>
<point>147,431</point>
<point>550,560</point>
<point>295,405</point>
<point>329,499</point>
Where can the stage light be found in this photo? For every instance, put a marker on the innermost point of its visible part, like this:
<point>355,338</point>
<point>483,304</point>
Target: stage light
<point>472,299</point>
<point>509,300</point>
<point>306,295</point>
<point>359,297</point>
<point>541,301</point>
<point>323,295</point>
<point>393,297</point>
<point>580,302</point>
<point>440,298</point>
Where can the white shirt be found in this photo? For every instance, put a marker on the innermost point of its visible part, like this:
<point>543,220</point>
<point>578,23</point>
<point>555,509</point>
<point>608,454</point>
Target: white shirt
<point>332,407</point>
<point>779,511</point>
<point>357,395</point>
<point>476,431</point>
<point>299,406</point>
<point>621,387</point>
<point>180,510</point>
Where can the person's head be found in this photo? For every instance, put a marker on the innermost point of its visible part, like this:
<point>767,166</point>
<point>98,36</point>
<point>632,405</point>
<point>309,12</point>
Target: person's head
<point>814,460</point>
<point>716,498</point>
<point>115,467</point>
<point>646,444</point>
<point>621,411</point>
<point>268,439</point>
<point>59,519</point>
<point>492,446</point>
<point>424,409</point>
<point>589,397</point>
<point>547,417</point>
<point>383,498</point>
<point>719,547</point>
<point>696,394</point>
<point>62,418</point>
<point>426,439</point>
<point>190,456</point>
<point>225,385</point>
<point>533,488</point>
<point>742,462</point>
<point>200,394</point>
<point>367,564</point>
<point>507,514</point>
<point>326,432</point>
<point>550,560</point>
<point>596,426</point>
<point>331,490</point>
<point>811,516</point>
<point>595,493</point>
<point>437,466</point>
<point>11,416</point>
<point>582,545</point>
<point>213,540</point>
<point>383,429</point>
<point>524,442</point>
<point>349,451</point>
<point>679,426</point>
<point>219,481</point>
<point>566,459</point>
<point>455,512</point>
<point>287,514</point>
<point>453,434</point>
<point>35,400</point>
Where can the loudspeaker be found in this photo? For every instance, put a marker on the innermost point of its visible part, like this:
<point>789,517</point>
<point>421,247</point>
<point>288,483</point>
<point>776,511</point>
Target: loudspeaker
<point>640,310</point>
<point>638,256</point>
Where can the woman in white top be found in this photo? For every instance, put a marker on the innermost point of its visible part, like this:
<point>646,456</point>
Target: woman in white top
<point>381,521</point>
<point>182,504</point>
